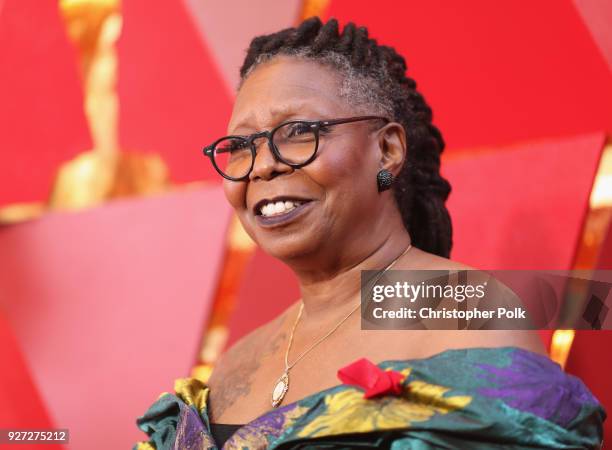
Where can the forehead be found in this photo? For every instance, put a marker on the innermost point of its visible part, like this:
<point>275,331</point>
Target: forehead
<point>284,88</point>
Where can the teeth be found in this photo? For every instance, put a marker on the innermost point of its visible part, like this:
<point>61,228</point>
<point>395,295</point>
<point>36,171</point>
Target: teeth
<point>275,208</point>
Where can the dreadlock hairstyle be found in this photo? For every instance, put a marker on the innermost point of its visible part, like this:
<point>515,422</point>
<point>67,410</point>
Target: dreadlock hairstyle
<point>374,79</point>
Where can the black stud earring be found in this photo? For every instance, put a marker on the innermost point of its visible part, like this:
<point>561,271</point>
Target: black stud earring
<point>384,179</point>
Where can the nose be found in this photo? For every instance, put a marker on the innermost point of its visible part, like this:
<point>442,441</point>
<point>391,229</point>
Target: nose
<point>266,165</point>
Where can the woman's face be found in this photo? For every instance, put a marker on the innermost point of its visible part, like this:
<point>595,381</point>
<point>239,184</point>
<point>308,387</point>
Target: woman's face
<point>336,193</point>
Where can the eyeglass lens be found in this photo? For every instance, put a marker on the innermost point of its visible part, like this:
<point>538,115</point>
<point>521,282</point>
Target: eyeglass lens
<point>296,143</point>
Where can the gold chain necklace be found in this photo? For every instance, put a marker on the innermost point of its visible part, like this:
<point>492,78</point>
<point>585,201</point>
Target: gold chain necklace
<point>282,384</point>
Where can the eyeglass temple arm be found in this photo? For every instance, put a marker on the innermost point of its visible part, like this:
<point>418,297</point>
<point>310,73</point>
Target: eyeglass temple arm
<point>208,150</point>
<point>352,119</point>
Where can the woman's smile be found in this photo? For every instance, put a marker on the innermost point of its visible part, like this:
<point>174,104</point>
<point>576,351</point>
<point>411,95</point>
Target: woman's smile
<point>280,211</point>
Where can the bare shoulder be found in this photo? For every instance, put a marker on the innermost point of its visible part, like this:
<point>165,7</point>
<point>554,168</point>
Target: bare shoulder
<point>456,339</point>
<point>420,259</point>
<point>249,347</point>
<point>233,377</point>
<point>448,339</point>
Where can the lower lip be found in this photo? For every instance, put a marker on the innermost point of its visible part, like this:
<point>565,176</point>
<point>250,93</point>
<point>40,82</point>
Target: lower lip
<point>285,218</point>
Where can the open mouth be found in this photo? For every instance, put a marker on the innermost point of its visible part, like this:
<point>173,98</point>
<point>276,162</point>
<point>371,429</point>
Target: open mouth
<point>279,209</point>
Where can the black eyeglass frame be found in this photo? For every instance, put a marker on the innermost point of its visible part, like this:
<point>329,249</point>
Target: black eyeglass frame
<point>316,125</point>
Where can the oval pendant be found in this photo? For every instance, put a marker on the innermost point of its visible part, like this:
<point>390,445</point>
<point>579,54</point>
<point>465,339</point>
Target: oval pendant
<point>280,389</point>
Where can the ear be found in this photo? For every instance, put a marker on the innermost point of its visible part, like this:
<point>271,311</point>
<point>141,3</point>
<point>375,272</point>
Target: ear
<point>393,147</point>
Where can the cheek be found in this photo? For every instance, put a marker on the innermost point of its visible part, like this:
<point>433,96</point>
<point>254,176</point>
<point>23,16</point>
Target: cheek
<point>235,192</point>
<point>347,165</point>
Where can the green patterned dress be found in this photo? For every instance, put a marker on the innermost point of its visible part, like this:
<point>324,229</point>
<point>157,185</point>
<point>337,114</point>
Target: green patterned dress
<point>476,398</point>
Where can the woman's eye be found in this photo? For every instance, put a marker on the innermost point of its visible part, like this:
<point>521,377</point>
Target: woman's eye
<point>238,146</point>
<point>231,146</point>
<point>298,129</point>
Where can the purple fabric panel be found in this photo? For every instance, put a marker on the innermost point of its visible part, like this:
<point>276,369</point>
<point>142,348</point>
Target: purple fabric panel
<point>535,384</point>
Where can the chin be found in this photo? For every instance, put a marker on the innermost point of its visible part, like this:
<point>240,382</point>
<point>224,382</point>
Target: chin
<point>289,246</point>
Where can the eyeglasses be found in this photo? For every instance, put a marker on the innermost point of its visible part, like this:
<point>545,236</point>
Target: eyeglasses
<point>294,143</point>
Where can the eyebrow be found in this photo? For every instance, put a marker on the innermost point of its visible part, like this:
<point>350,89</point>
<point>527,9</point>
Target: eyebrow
<point>281,114</point>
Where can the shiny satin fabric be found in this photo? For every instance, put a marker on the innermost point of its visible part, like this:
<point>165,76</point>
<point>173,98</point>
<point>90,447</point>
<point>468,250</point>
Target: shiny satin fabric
<point>477,398</point>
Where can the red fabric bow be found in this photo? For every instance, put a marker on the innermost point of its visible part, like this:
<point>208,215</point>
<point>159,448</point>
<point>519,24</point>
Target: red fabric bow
<point>367,375</point>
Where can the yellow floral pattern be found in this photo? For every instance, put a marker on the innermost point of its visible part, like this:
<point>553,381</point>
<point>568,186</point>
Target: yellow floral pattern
<point>192,391</point>
<point>348,411</point>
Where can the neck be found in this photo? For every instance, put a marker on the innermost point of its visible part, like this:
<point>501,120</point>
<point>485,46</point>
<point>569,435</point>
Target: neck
<point>335,290</point>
